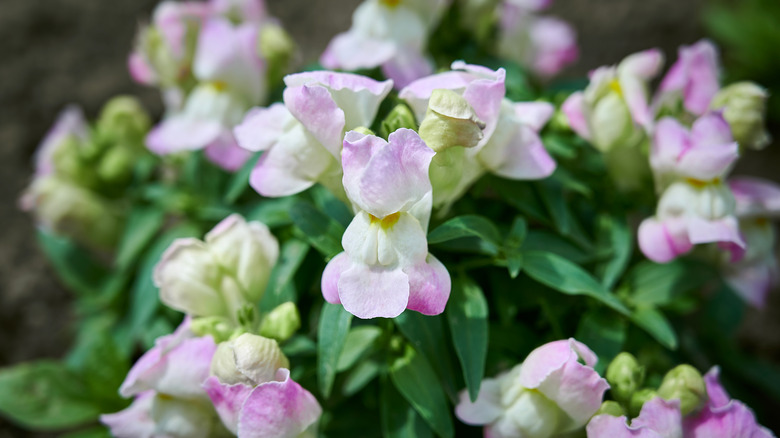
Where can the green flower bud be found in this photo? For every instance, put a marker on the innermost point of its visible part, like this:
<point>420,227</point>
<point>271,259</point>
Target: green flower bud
<point>363,130</point>
<point>277,48</point>
<point>610,407</point>
<point>219,328</point>
<point>282,322</point>
<point>638,400</point>
<point>116,165</point>
<point>625,376</point>
<point>744,108</point>
<point>248,359</point>
<point>450,121</point>
<point>684,383</point>
<point>399,117</point>
<point>123,119</point>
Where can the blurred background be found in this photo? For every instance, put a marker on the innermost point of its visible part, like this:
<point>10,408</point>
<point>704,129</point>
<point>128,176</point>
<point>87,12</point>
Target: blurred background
<point>57,52</point>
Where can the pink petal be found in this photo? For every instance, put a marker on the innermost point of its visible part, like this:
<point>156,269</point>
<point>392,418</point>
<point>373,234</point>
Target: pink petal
<point>524,157</point>
<point>554,45</point>
<point>723,230</point>
<point>664,241</point>
<point>371,292</point>
<point>226,153</point>
<point>605,425</point>
<point>314,107</point>
<point>534,114</point>
<point>280,408</point>
<point>135,420</point>
<point>486,409</point>
<point>330,277</point>
<point>661,416</point>
<point>351,51</point>
<point>140,70</point>
<point>406,67</point>
<point>429,286</point>
<point>70,123</point>
<point>645,64</point>
<point>227,400</point>
<point>181,133</point>
<point>262,127</point>
<point>572,107</point>
<point>734,420</point>
<point>670,139</point>
<point>755,196</point>
<point>754,281</point>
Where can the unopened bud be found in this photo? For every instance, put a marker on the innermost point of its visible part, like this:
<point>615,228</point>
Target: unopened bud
<point>248,359</point>
<point>282,322</point>
<point>116,165</point>
<point>744,108</point>
<point>363,130</point>
<point>399,117</point>
<point>123,118</point>
<point>610,407</point>
<point>450,121</point>
<point>276,45</point>
<point>638,400</point>
<point>625,376</point>
<point>684,383</point>
<point>219,328</point>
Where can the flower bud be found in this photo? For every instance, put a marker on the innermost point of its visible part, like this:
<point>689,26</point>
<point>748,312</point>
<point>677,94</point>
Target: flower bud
<point>744,108</point>
<point>638,400</point>
<point>219,328</point>
<point>248,359</point>
<point>277,48</point>
<point>399,117</point>
<point>686,384</point>
<point>625,376</point>
<point>282,322</point>
<point>450,121</point>
<point>116,165</point>
<point>610,407</point>
<point>123,119</point>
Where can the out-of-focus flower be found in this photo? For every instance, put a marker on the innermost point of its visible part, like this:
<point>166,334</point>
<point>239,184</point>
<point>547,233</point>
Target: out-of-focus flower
<point>744,107</point>
<point>221,275</point>
<point>302,138</point>
<point>166,382</point>
<point>385,267</point>
<point>388,33</point>
<point>692,81</point>
<point>510,145</point>
<point>544,44</point>
<point>696,205</point>
<point>554,391</point>
<point>252,391</point>
<point>757,201</point>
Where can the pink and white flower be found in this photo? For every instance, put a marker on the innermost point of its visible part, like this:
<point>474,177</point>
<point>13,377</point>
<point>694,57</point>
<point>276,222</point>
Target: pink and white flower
<point>658,418</point>
<point>554,391</point>
<point>302,138</point>
<point>693,80</point>
<point>385,267</point>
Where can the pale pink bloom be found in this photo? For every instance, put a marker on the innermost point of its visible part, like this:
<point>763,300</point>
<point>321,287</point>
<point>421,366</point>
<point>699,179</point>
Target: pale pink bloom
<point>302,138</point>
<point>693,80</point>
<point>387,34</point>
<point>510,146</point>
<point>70,125</point>
<point>658,418</point>
<point>385,267</point>
<point>553,392</point>
<point>613,111</point>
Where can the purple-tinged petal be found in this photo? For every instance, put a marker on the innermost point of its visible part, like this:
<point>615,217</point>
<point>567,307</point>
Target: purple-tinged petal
<point>485,409</point>
<point>707,163</point>
<point>227,400</point>
<point>645,64</point>
<point>418,92</point>
<point>350,51</point>
<point>663,241</point>
<point>670,140</point>
<point>607,426</point>
<point>181,133</point>
<point>572,107</point>
<point>314,107</point>
<point>406,67</point>
<point>755,197</point>
<point>711,129</point>
<point>735,420</point>
<point>717,395</point>
<point>140,70</point>
<point>534,114</point>
<point>226,153</point>
<point>330,277</point>
<point>523,157</point>
<point>135,420</point>
<point>663,417</point>
<point>374,291</point>
<point>754,281</point>
<point>262,127</point>
<point>723,230</point>
<point>429,287</point>
<point>554,45</point>
<point>282,408</point>
<point>70,123</point>
<point>695,76</point>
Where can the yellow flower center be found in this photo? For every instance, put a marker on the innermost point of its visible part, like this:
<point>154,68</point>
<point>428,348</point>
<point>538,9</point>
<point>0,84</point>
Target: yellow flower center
<point>219,86</point>
<point>387,221</point>
<point>614,85</point>
<point>699,184</point>
<point>390,3</point>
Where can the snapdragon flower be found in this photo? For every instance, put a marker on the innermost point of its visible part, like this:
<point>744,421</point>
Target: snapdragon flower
<point>693,79</point>
<point>553,392</point>
<point>253,393</point>
<point>385,267</point>
<point>510,145</point>
<point>221,275</point>
<point>543,44</point>
<point>696,205</point>
<point>388,33</point>
<point>166,383</point>
<point>302,138</point>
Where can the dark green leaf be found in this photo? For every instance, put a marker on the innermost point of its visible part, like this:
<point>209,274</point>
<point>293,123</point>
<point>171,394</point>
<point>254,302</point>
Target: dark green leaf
<point>551,192</point>
<point>240,180</point>
<point>564,276</point>
<point>330,205</point>
<point>281,286</point>
<point>317,228</point>
<point>399,419</point>
<point>272,212</point>
<point>655,323</point>
<point>331,335</point>
<point>92,432</point>
<point>655,284</point>
<point>44,395</point>
<point>613,235</point>
<point>142,224</point>
<point>359,341</point>
<point>468,226</point>
<point>604,332</point>
<point>551,242</point>
<point>514,241</point>
<point>74,266</point>
<point>360,376</point>
<point>467,314</point>
<point>414,378</point>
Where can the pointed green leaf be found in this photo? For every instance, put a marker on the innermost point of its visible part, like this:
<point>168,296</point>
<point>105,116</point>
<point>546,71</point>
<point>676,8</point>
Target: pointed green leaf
<point>142,225</point>
<point>514,240</point>
<point>317,228</point>
<point>75,266</point>
<point>331,335</point>
<point>468,226</point>
<point>280,286</point>
<point>467,314</point>
<point>359,341</point>
<point>615,236</point>
<point>399,419</point>
<point>272,212</point>
<point>655,323</point>
<point>240,180</point>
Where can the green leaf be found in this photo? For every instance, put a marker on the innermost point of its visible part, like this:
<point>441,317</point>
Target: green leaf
<point>359,341</point>
<point>92,432</point>
<point>467,314</point>
<point>655,323</point>
<point>281,286</point>
<point>360,376</point>
<point>564,276</point>
<point>44,395</point>
<point>75,267</point>
<point>331,205</point>
<point>537,240</point>
<point>551,192</point>
<point>655,284</point>
<point>272,212</point>
<point>614,235</point>
<point>399,419</point>
<point>240,180</point>
<point>142,224</point>
<point>414,378</point>
<point>317,228</point>
<point>331,335</point>
<point>468,226</point>
<point>514,241</point>
<point>604,332</point>
<point>426,333</point>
